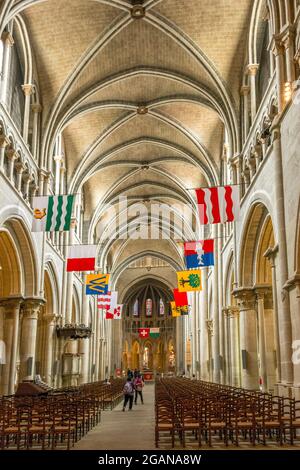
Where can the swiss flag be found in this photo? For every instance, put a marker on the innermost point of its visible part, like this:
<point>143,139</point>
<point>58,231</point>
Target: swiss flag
<point>144,332</point>
<point>181,298</point>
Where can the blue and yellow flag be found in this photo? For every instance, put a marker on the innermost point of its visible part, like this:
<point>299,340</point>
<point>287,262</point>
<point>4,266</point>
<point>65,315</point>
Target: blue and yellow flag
<point>96,284</point>
<point>189,281</point>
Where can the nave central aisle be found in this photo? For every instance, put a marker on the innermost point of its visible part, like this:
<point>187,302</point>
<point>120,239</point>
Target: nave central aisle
<point>129,430</point>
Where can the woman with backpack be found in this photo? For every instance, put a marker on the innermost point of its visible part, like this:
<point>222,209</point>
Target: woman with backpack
<point>128,392</point>
<point>138,386</point>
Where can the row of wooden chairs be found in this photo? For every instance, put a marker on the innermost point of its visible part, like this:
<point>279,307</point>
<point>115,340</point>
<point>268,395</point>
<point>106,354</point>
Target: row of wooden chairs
<point>202,410</point>
<point>56,420</point>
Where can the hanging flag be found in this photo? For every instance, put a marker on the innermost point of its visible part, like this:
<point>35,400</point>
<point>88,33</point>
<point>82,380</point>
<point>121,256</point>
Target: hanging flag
<point>198,254</point>
<point>103,301</point>
<point>148,307</point>
<point>179,311</point>
<point>180,298</point>
<point>107,301</point>
<point>52,213</point>
<point>218,204</point>
<point>154,333</point>
<point>161,307</point>
<point>115,314</point>
<point>96,284</point>
<point>144,332</point>
<point>81,258</point>
<point>136,308</point>
<point>175,310</point>
<point>189,280</point>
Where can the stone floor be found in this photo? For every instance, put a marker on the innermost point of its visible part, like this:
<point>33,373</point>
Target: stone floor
<point>129,430</point>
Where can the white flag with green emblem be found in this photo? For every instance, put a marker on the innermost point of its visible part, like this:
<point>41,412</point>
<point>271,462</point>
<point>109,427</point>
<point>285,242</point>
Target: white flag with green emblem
<point>52,213</point>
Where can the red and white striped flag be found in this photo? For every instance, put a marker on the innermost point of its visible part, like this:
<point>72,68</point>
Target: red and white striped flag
<point>104,301</point>
<point>108,301</point>
<point>218,204</point>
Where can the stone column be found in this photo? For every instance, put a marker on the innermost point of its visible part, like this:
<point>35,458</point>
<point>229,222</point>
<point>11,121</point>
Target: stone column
<point>69,295</point>
<point>197,337</point>
<point>4,142</point>
<point>270,254</point>
<point>50,324</point>
<point>84,345</point>
<point>203,311</point>
<point>216,335</point>
<point>248,337</point>
<point>210,334</point>
<point>62,179</point>
<point>245,90</point>
<point>284,314</point>
<point>36,109</point>
<point>226,359</point>
<point>278,51</point>
<point>20,169</point>
<point>234,340</point>
<point>288,43</point>
<point>11,310</point>
<point>252,71</point>
<point>7,44</point>
<point>12,156</point>
<point>30,309</point>
<point>58,160</point>
<point>193,334</point>
<point>219,242</point>
<point>28,90</point>
<point>27,179</point>
<point>260,293</point>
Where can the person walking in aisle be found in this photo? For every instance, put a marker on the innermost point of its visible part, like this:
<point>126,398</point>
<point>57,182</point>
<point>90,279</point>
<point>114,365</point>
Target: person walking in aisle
<point>128,392</point>
<point>138,386</point>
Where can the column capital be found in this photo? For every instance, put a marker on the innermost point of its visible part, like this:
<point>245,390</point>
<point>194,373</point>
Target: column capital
<point>292,283</point>
<point>11,302</point>
<point>50,318</point>
<point>236,159</point>
<point>36,108</point>
<point>252,69</point>
<point>245,298</point>
<point>210,327</point>
<point>4,141</point>
<point>262,291</point>
<point>231,311</point>
<point>276,45</point>
<point>288,36</point>
<point>31,306</point>
<point>12,154</point>
<point>27,177</point>
<point>271,254</point>
<point>28,89</point>
<point>245,90</point>
<point>20,167</point>
<point>58,158</point>
<point>7,38</point>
